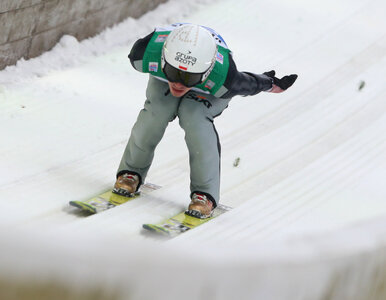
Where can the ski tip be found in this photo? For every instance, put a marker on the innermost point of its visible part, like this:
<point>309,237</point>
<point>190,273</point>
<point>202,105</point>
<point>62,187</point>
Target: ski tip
<point>156,229</point>
<point>83,206</point>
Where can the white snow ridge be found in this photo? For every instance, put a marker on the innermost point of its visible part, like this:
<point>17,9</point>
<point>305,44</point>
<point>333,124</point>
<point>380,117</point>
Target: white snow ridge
<point>308,193</point>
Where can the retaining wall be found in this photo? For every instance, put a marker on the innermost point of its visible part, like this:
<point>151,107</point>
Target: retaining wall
<point>30,27</point>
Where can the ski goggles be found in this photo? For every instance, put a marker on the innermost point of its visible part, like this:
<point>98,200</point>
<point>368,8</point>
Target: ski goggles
<point>186,78</point>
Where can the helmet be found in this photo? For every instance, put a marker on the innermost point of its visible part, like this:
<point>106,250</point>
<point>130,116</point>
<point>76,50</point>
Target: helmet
<point>188,55</point>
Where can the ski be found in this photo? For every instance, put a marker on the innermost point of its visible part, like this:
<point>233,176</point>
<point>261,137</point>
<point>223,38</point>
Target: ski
<point>110,199</point>
<point>182,222</point>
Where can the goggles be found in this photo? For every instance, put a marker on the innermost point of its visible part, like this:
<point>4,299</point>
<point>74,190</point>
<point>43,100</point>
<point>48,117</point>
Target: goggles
<point>187,79</point>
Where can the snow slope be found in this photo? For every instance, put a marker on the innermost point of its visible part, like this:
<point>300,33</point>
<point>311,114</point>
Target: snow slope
<point>309,217</point>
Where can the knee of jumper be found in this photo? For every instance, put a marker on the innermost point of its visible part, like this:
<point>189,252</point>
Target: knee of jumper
<point>194,117</point>
<point>159,112</point>
<point>200,134</point>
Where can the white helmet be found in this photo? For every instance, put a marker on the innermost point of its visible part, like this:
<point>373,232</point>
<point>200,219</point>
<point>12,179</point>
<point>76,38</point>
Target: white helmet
<point>189,54</point>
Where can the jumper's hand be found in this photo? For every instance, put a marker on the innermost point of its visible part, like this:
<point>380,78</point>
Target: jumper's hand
<point>280,85</point>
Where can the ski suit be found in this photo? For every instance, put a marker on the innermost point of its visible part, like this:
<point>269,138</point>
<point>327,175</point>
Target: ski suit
<point>195,110</point>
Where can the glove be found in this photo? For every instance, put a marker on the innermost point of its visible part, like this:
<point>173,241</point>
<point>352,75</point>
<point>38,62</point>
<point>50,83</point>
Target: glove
<point>280,85</point>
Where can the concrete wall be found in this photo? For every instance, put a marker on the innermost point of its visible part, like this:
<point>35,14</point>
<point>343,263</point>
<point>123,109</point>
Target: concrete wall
<point>30,27</point>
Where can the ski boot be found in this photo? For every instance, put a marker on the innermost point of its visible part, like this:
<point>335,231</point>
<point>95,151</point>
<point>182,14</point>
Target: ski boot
<point>126,185</point>
<point>200,207</point>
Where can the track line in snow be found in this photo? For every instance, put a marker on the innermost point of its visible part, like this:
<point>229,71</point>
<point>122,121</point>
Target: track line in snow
<point>320,146</point>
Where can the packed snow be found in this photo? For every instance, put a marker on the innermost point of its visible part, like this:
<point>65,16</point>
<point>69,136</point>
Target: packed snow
<point>308,193</point>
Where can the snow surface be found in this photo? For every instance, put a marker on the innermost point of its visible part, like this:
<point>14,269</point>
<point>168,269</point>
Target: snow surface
<point>309,199</point>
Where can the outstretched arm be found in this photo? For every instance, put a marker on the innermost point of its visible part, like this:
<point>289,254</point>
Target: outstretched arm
<point>244,83</point>
<point>249,84</point>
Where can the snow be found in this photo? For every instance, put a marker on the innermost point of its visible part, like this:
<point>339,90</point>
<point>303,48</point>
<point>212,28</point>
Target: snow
<point>309,209</point>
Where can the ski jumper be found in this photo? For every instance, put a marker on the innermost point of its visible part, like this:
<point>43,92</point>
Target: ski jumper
<point>195,110</point>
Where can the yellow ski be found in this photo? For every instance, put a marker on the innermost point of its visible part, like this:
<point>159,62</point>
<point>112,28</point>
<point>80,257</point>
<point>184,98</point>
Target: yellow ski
<point>183,222</point>
<point>109,199</point>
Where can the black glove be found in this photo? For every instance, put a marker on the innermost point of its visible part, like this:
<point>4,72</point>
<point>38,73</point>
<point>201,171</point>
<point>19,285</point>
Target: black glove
<point>283,83</point>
